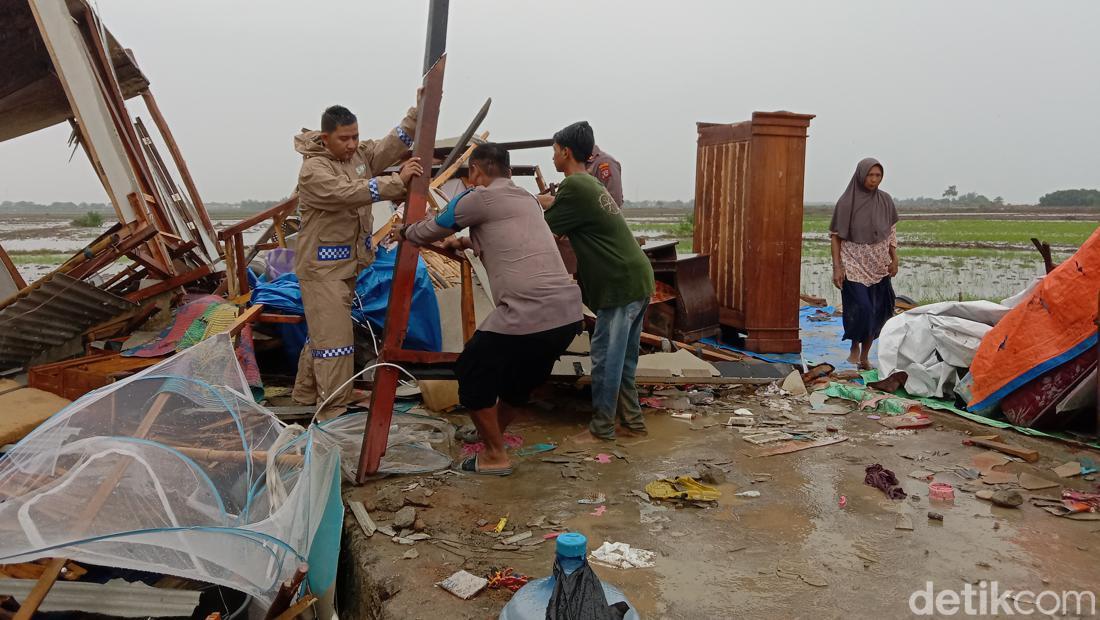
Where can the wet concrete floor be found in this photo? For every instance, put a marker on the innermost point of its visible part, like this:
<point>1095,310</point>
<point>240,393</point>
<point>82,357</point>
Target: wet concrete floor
<point>792,552</point>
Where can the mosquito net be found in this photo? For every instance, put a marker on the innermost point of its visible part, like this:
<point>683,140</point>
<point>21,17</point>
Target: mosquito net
<point>177,470</point>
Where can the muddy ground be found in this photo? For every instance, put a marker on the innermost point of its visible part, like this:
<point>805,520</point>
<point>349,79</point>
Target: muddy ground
<point>796,551</point>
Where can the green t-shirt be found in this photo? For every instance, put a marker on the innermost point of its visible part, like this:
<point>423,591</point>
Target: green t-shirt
<point>612,268</point>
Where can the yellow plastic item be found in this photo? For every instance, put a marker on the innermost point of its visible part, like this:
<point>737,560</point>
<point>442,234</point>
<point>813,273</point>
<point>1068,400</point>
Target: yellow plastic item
<point>501,524</point>
<point>682,488</point>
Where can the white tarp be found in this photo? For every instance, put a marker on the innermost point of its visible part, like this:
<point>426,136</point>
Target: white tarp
<point>933,343</point>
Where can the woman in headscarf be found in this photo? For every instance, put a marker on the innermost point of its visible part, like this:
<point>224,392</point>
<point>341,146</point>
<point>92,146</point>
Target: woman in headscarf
<point>865,257</point>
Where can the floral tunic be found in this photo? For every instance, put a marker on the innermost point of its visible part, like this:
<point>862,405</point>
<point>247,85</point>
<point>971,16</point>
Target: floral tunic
<point>868,263</point>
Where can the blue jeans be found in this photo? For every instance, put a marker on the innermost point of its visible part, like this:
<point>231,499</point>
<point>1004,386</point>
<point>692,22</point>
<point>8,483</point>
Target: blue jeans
<point>615,343</point>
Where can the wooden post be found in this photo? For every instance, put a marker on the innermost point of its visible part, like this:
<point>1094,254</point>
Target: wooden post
<point>231,268</point>
<point>404,275</point>
<point>469,316</point>
<point>181,164</point>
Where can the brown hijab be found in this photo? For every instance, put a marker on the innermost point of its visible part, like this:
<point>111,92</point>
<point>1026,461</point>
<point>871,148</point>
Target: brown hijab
<point>862,215</point>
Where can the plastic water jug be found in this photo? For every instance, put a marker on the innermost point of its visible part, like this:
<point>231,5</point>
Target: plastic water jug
<point>530,602</point>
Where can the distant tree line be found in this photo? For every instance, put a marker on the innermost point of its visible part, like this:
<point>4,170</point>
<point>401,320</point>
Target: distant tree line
<point>1071,198</point>
<point>951,198</point>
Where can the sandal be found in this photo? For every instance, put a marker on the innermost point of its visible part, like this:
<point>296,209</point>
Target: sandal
<point>471,466</point>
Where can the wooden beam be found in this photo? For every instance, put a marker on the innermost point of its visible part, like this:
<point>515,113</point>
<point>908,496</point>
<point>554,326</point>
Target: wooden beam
<point>181,163</point>
<point>248,316</point>
<point>167,285</point>
<point>404,274</point>
<point>469,317</point>
<point>1024,453</point>
<point>282,208</point>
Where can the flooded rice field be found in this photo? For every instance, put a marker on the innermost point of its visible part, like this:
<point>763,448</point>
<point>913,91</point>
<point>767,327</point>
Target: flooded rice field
<point>38,243</point>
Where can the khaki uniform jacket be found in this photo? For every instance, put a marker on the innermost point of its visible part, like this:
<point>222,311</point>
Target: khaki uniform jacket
<point>335,197</point>
<point>609,171</point>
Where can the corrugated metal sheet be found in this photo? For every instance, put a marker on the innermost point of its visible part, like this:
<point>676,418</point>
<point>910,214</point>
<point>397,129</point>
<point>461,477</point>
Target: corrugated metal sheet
<point>51,312</point>
<point>115,598</point>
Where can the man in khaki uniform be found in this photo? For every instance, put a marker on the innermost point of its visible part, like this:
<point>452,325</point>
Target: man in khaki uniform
<point>338,182</point>
<point>609,171</point>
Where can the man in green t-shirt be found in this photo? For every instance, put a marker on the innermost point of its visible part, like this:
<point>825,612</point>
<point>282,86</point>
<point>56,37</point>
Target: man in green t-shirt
<point>615,276</point>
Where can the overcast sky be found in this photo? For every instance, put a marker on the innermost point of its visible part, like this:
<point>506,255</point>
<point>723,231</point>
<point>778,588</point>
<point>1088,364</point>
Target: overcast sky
<point>995,96</point>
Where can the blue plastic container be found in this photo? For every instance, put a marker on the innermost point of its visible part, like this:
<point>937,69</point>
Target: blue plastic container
<point>530,602</point>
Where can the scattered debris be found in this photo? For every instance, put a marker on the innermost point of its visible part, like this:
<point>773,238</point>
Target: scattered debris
<point>711,474</point>
<point>903,522</point>
<point>362,517</point>
<point>884,480</point>
<point>922,474</point>
<point>1007,498</point>
<point>404,518</point>
<point>683,416</point>
<point>1024,453</point>
<point>748,494</point>
<point>603,458</point>
<point>794,385</point>
<point>907,420</point>
<point>1035,483</point>
<point>622,555</point>
<point>843,501</point>
<point>796,446</point>
<point>767,437</point>
<point>941,491</point>
<point>507,578</point>
<point>464,585</point>
<point>538,448</point>
<point>1068,470</point>
<point>935,516</point>
<point>511,540</point>
<point>411,554</point>
<point>599,499</point>
<point>682,488</point>
<point>500,524</point>
<point>598,512</point>
<point>1000,477</point>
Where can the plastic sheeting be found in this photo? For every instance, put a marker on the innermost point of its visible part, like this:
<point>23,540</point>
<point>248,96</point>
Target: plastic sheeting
<point>372,289</point>
<point>1051,326</point>
<point>935,344</point>
<point>821,340</point>
<point>176,470</point>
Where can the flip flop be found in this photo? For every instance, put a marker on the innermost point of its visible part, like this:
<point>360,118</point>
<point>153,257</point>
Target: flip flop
<point>470,466</point>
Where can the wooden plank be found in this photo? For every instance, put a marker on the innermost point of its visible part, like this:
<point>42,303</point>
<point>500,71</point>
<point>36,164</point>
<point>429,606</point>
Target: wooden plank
<point>246,317</point>
<point>469,316</point>
<point>298,608</point>
<point>1024,453</point>
<point>797,446</point>
<point>242,264</point>
<point>167,285</point>
<point>181,164</point>
<point>268,317</point>
<point>234,287</point>
<point>359,511</point>
<point>404,274</point>
<point>283,208</point>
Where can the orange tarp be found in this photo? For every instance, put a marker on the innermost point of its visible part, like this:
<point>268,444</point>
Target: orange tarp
<point>1052,326</point>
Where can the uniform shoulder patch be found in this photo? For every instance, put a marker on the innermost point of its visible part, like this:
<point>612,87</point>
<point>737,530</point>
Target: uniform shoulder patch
<point>603,171</point>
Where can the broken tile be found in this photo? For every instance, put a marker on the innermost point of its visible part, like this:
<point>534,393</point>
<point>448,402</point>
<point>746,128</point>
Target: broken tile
<point>464,585</point>
<point>1068,470</point>
<point>1034,483</point>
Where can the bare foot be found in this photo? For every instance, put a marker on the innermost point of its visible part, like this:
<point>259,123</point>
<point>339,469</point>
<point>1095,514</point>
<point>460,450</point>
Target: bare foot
<point>586,438</point>
<point>865,365</point>
<point>853,358</point>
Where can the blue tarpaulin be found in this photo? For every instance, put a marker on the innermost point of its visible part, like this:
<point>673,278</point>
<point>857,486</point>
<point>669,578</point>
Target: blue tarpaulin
<point>372,289</point>
<point>821,341</point>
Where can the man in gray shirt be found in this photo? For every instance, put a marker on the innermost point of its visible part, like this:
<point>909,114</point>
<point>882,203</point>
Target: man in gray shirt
<point>538,305</point>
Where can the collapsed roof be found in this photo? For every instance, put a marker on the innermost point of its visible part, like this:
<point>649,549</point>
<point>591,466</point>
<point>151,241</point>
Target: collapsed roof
<point>31,95</point>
